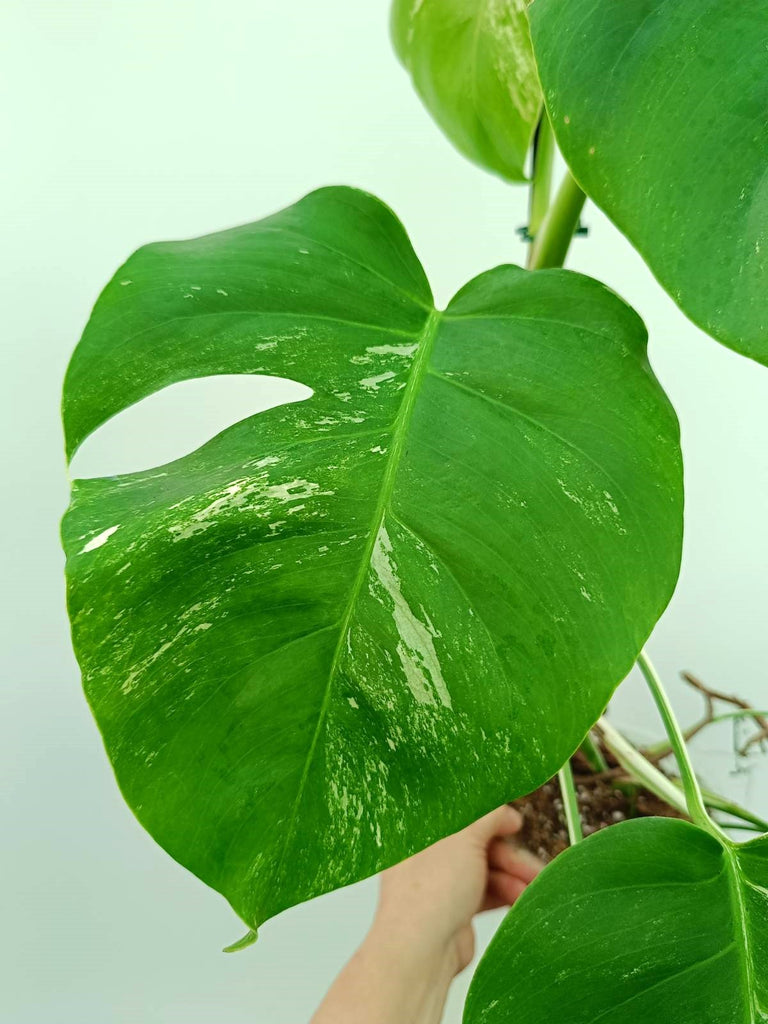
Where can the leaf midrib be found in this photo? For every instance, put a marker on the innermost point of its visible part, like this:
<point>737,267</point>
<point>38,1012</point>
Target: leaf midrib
<point>399,432</point>
<point>742,919</point>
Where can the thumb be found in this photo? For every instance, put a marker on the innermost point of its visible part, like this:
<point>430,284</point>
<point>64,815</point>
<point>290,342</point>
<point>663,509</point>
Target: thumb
<point>504,821</point>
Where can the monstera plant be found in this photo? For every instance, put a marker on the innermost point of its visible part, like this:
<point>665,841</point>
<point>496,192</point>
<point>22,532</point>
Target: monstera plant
<point>348,626</point>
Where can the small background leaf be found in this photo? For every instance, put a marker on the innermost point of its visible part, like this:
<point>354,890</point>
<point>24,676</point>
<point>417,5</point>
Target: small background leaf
<point>472,64</point>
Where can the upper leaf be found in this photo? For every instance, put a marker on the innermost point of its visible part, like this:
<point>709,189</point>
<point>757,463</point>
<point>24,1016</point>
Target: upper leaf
<point>660,111</point>
<point>472,64</point>
<point>652,921</point>
<point>346,627</point>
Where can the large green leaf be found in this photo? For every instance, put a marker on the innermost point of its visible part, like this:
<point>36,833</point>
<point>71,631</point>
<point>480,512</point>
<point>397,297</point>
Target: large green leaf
<point>653,921</point>
<point>472,64</point>
<point>660,108</point>
<point>348,626</point>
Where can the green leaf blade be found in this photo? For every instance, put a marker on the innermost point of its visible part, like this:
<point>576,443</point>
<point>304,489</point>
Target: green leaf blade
<point>659,110</point>
<point>327,638</point>
<point>472,65</point>
<point>646,921</point>
<point>336,266</point>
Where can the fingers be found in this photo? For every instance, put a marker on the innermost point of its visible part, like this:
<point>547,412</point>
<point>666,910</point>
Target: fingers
<point>510,871</point>
<point>504,821</point>
<point>502,890</point>
<point>513,860</point>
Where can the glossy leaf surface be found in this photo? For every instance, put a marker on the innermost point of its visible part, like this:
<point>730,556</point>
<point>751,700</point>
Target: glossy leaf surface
<point>472,64</point>
<point>653,921</point>
<point>660,110</point>
<point>330,636</point>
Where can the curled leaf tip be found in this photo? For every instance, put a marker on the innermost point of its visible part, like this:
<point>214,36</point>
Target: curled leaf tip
<point>247,940</point>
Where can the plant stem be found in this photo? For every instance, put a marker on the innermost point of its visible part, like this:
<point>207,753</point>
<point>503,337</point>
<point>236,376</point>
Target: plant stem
<point>644,772</point>
<point>658,751</point>
<point>693,795</point>
<point>719,803</point>
<point>741,713</point>
<point>541,183</point>
<point>661,750</point>
<point>570,803</point>
<point>593,754</point>
<point>633,762</point>
<point>551,243</point>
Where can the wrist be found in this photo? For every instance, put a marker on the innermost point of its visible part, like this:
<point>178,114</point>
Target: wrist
<point>419,972</point>
<point>415,950</point>
<point>392,977</point>
<point>427,927</point>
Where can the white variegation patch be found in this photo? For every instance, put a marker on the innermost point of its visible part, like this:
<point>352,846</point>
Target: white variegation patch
<point>416,647</point>
<point>99,540</point>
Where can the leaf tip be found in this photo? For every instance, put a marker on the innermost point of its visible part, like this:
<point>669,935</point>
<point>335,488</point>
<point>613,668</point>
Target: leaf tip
<point>247,940</point>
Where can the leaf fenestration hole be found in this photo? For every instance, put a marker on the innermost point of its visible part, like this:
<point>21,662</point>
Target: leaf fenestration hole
<point>177,420</point>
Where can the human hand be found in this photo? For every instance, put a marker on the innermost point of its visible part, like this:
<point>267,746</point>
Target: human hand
<point>422,934</point>
<point>430,899</point>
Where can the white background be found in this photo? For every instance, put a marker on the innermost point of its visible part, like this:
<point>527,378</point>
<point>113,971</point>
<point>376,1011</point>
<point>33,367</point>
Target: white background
<point>126,122</point>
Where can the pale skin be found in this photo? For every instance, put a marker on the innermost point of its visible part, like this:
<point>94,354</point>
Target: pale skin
<point>422,935</point>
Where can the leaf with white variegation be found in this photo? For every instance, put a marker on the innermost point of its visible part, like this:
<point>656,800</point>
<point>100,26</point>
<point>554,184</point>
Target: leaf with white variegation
<point>472,64</point>
<point>653,921</point>
<point>348,626</point>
